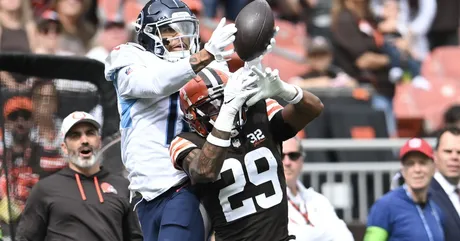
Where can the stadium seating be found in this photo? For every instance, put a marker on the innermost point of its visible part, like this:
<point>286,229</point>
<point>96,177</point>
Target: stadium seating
<point>412,102</point>
<point>442,62</point>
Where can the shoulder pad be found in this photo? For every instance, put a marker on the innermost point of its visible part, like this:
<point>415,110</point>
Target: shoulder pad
<point>136,45</point>
<point>121,56</point>
<point>128,46</point>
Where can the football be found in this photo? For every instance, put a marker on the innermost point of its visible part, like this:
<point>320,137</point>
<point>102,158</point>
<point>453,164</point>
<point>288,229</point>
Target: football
<point>255,24</point>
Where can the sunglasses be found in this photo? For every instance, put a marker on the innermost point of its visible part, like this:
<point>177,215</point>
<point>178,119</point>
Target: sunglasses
<point>21,113</point>
<point>293,156</point>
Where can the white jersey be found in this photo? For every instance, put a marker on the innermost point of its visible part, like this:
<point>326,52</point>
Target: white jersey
<point>148,103</point>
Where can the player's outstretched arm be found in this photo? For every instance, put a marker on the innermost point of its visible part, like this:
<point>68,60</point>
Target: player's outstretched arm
<point>303,106</point>
<point>136,79</point>
<point>203,165</point>
<point>200,60</point>
<point>214,49</point>
<point>299,114</point>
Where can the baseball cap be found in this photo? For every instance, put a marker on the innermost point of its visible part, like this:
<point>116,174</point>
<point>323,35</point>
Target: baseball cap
<point>75,118</point>
<point>50,16</point>
<point>17,103</point>
<point>46,18</point>
<point>416,145</point>
<point>318,45</point>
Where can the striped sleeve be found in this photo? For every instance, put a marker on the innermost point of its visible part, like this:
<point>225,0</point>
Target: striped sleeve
<point>272,108</point>
<point>178,146</point>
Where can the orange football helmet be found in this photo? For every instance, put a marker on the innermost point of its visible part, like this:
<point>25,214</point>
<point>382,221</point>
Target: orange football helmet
<point>201,99</point>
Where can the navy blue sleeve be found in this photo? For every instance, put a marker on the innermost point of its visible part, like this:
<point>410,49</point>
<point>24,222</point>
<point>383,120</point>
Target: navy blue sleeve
<point>442,216</point>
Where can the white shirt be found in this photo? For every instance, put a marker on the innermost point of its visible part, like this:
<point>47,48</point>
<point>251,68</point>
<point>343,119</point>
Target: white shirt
<point>148,104</point>
<point>418,25</point>
<point>325,225</point>
<point>449,189</point>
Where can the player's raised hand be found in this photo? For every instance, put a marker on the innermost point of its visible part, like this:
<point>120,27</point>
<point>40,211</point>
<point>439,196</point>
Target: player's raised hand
<point>240,86</point>
<point>222,36</point>
<point>270,85</point>
<point>257,62</point>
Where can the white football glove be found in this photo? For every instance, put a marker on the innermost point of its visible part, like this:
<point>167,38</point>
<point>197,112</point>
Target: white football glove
<point>258,61</point>
<point>220,39</point>
<point>240,86</point>
<point>270,85</point>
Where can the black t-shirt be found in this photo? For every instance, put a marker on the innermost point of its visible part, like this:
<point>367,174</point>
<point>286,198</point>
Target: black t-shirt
<point>350,42</point>
<point>248,201</point>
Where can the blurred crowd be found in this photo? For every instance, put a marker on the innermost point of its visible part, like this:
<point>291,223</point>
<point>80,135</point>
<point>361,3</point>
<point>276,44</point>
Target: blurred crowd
<point>377,43</point>
<point>349,43</point>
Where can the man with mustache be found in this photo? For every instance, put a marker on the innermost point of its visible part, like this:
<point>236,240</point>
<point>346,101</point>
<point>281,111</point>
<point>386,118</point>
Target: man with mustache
<point>82,201</point>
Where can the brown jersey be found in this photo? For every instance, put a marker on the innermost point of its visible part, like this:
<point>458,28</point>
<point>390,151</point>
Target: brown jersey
<point>248,199</point>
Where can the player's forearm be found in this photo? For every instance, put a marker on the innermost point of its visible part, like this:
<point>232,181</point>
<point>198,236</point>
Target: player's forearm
<point>204,165</point>
<point>200,60</point>
<point>300,114</point>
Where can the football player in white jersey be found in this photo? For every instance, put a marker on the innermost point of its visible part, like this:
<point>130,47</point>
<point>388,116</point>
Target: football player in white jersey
<point>147,77</point>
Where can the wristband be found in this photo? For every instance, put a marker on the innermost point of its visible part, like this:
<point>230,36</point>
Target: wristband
<point>292,93</point>
<point>298,97</point>
<point>217,141</point>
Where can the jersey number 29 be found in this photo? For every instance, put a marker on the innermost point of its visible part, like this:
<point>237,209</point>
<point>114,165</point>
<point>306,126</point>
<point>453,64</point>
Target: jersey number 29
<point>248,206</point>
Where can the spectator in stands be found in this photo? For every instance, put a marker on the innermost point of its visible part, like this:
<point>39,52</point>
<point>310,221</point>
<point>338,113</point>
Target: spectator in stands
<point>16,26</point>
<point>20,167</point>
<point>409,212</point>
<point>40,6</point>
<point>17,34</point>
<point>322,73</point>
<point>376,7</point>
<point>314,13</point>
<point>445,185</point>
<point>359,52</point>
<point>415,19</point>
<point>318,17</point>
<point>77,30</point>
<point>232,8</point>
<point>47,125</point>
<point>452,116</point>
<point>83,201</point>
<point>405,39</point>
<point>444,30</point>
<point>311,215</point>
<point>293,11</point>
<point>49,30</point>
<point>113,33</point>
